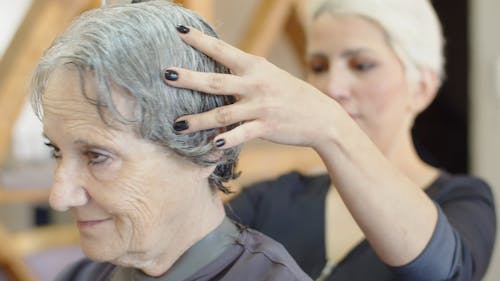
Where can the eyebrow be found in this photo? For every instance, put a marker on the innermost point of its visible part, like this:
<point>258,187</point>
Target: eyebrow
<point>346,53</point>
<point>354,52</point>
<point>82,143</point>
<point>87,144</point>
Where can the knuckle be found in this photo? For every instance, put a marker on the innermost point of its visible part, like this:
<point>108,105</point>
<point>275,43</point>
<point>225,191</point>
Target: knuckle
<point>259,85</point>
<point>268,111</point>
<point>218,46</point>
<point>254,61</point>
<point>216,83</point>
<point>263,87</point>
<point>258,60</point>
<point>223,116</point>
<point>244,134</point>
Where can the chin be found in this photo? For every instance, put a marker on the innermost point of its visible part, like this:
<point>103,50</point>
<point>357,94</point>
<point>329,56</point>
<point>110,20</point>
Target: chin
<point>97,252</point>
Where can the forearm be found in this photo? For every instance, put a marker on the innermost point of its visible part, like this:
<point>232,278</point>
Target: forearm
<point>396,216</point>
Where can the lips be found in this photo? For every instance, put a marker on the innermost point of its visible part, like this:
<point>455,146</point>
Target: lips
<point>90,223</point>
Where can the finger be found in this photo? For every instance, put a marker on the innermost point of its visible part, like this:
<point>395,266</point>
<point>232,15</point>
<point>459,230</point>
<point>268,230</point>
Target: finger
<point>232,57</point>
<point>216,118</point>
<point>239,135</point>
<point>211,83</point>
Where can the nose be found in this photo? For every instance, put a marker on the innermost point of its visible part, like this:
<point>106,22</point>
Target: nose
<point>68,189</point>
<point>337,85</point>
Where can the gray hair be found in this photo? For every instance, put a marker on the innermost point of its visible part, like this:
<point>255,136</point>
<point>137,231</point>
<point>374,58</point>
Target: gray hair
<point>128,46</point>
<point>412,28</point>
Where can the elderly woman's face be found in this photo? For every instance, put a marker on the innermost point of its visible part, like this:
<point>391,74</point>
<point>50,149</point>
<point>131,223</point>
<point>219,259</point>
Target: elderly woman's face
<point>350,60</point>
<point>128,195</point>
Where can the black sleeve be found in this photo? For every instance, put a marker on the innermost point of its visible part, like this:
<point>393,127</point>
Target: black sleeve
<point>243,207</point>
<point>255,203</point>
<point>461,246</point>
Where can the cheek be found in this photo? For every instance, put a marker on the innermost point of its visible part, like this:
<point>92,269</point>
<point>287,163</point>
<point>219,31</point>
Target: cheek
<point>120,192</point>
<point>384,97</point>
<point>107,172</point>
<point>317,81</point>
<point>144,197</point>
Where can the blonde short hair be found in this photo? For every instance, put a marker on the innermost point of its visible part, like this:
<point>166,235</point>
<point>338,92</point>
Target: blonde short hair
<point>412,28</point>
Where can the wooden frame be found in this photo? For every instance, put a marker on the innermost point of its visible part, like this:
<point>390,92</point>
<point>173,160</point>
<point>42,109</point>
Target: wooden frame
<point>205,8</point>
<point>44,20</point>
<point>17,246</point>
<point>272,18</point>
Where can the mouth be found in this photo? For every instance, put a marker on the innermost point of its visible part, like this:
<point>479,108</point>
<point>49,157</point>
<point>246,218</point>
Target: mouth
<point>90,223</point>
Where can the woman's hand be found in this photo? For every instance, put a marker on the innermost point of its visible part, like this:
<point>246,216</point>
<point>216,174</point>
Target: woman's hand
<point>271,103</point>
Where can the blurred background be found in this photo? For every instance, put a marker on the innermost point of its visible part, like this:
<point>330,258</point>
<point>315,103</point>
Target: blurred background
<point>459,132</point>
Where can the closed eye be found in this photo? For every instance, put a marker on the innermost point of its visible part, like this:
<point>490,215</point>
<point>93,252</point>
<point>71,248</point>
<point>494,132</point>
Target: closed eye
<point>364,66</point>
<point>318,64</point>
<point>362,63</point>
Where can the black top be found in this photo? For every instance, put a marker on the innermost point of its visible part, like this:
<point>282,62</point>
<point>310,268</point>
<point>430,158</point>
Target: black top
<point>249,255</point>
<point>291,209</point>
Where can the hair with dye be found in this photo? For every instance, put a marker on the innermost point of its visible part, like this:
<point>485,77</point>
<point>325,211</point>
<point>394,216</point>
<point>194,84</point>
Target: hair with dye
<point>412,28</point>
<point>128,46</point>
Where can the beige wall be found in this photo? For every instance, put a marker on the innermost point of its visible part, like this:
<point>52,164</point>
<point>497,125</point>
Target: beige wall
<point>485,100</point>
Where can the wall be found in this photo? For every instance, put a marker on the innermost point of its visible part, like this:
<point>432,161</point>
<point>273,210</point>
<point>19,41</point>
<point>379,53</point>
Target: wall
<point>485,101</point>
<point>11,15</point>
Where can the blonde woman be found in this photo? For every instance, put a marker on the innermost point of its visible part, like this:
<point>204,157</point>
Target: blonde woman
<point>381,213</point>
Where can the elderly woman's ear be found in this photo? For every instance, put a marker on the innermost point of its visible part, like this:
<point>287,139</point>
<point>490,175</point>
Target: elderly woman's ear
<point>205,172</point>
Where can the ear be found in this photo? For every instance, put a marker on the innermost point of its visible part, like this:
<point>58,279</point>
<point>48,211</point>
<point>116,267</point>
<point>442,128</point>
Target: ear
<point>425,90</point>
<point>217,154</point>
<point>207,171</point>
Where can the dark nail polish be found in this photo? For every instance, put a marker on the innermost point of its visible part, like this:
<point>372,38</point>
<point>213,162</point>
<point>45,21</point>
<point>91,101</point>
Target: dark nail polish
<point>220,142</point>
<point>181,125</point>
<point>182,29</point>
<point>171,75</point>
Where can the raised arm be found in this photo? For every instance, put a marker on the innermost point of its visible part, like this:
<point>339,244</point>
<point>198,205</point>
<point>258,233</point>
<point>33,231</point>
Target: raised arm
<point>396,216</point>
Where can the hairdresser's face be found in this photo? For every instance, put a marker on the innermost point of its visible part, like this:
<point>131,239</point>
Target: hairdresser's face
<point>129,196</point>
<point>350,61</point>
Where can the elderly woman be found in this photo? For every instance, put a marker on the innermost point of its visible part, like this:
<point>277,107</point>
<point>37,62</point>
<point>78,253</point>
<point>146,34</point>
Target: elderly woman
<point>144,197</point>
<point>381,213</point>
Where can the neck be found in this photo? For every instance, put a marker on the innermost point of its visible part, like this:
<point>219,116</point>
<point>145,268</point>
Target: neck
<point>405,157</point>
<point>201,218</point>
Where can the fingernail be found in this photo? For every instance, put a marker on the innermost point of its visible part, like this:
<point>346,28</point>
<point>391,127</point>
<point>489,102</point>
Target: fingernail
<point>182,28</point>
<point>181,125</point>
<point>220,142</point>
<point>171,75</point>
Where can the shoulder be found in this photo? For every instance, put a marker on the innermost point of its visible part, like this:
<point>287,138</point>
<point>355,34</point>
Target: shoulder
<point>460,187</point>
<point>269,257</point>
<point>86,270</point>
<point>261,205</point>
<point>467,202</point>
